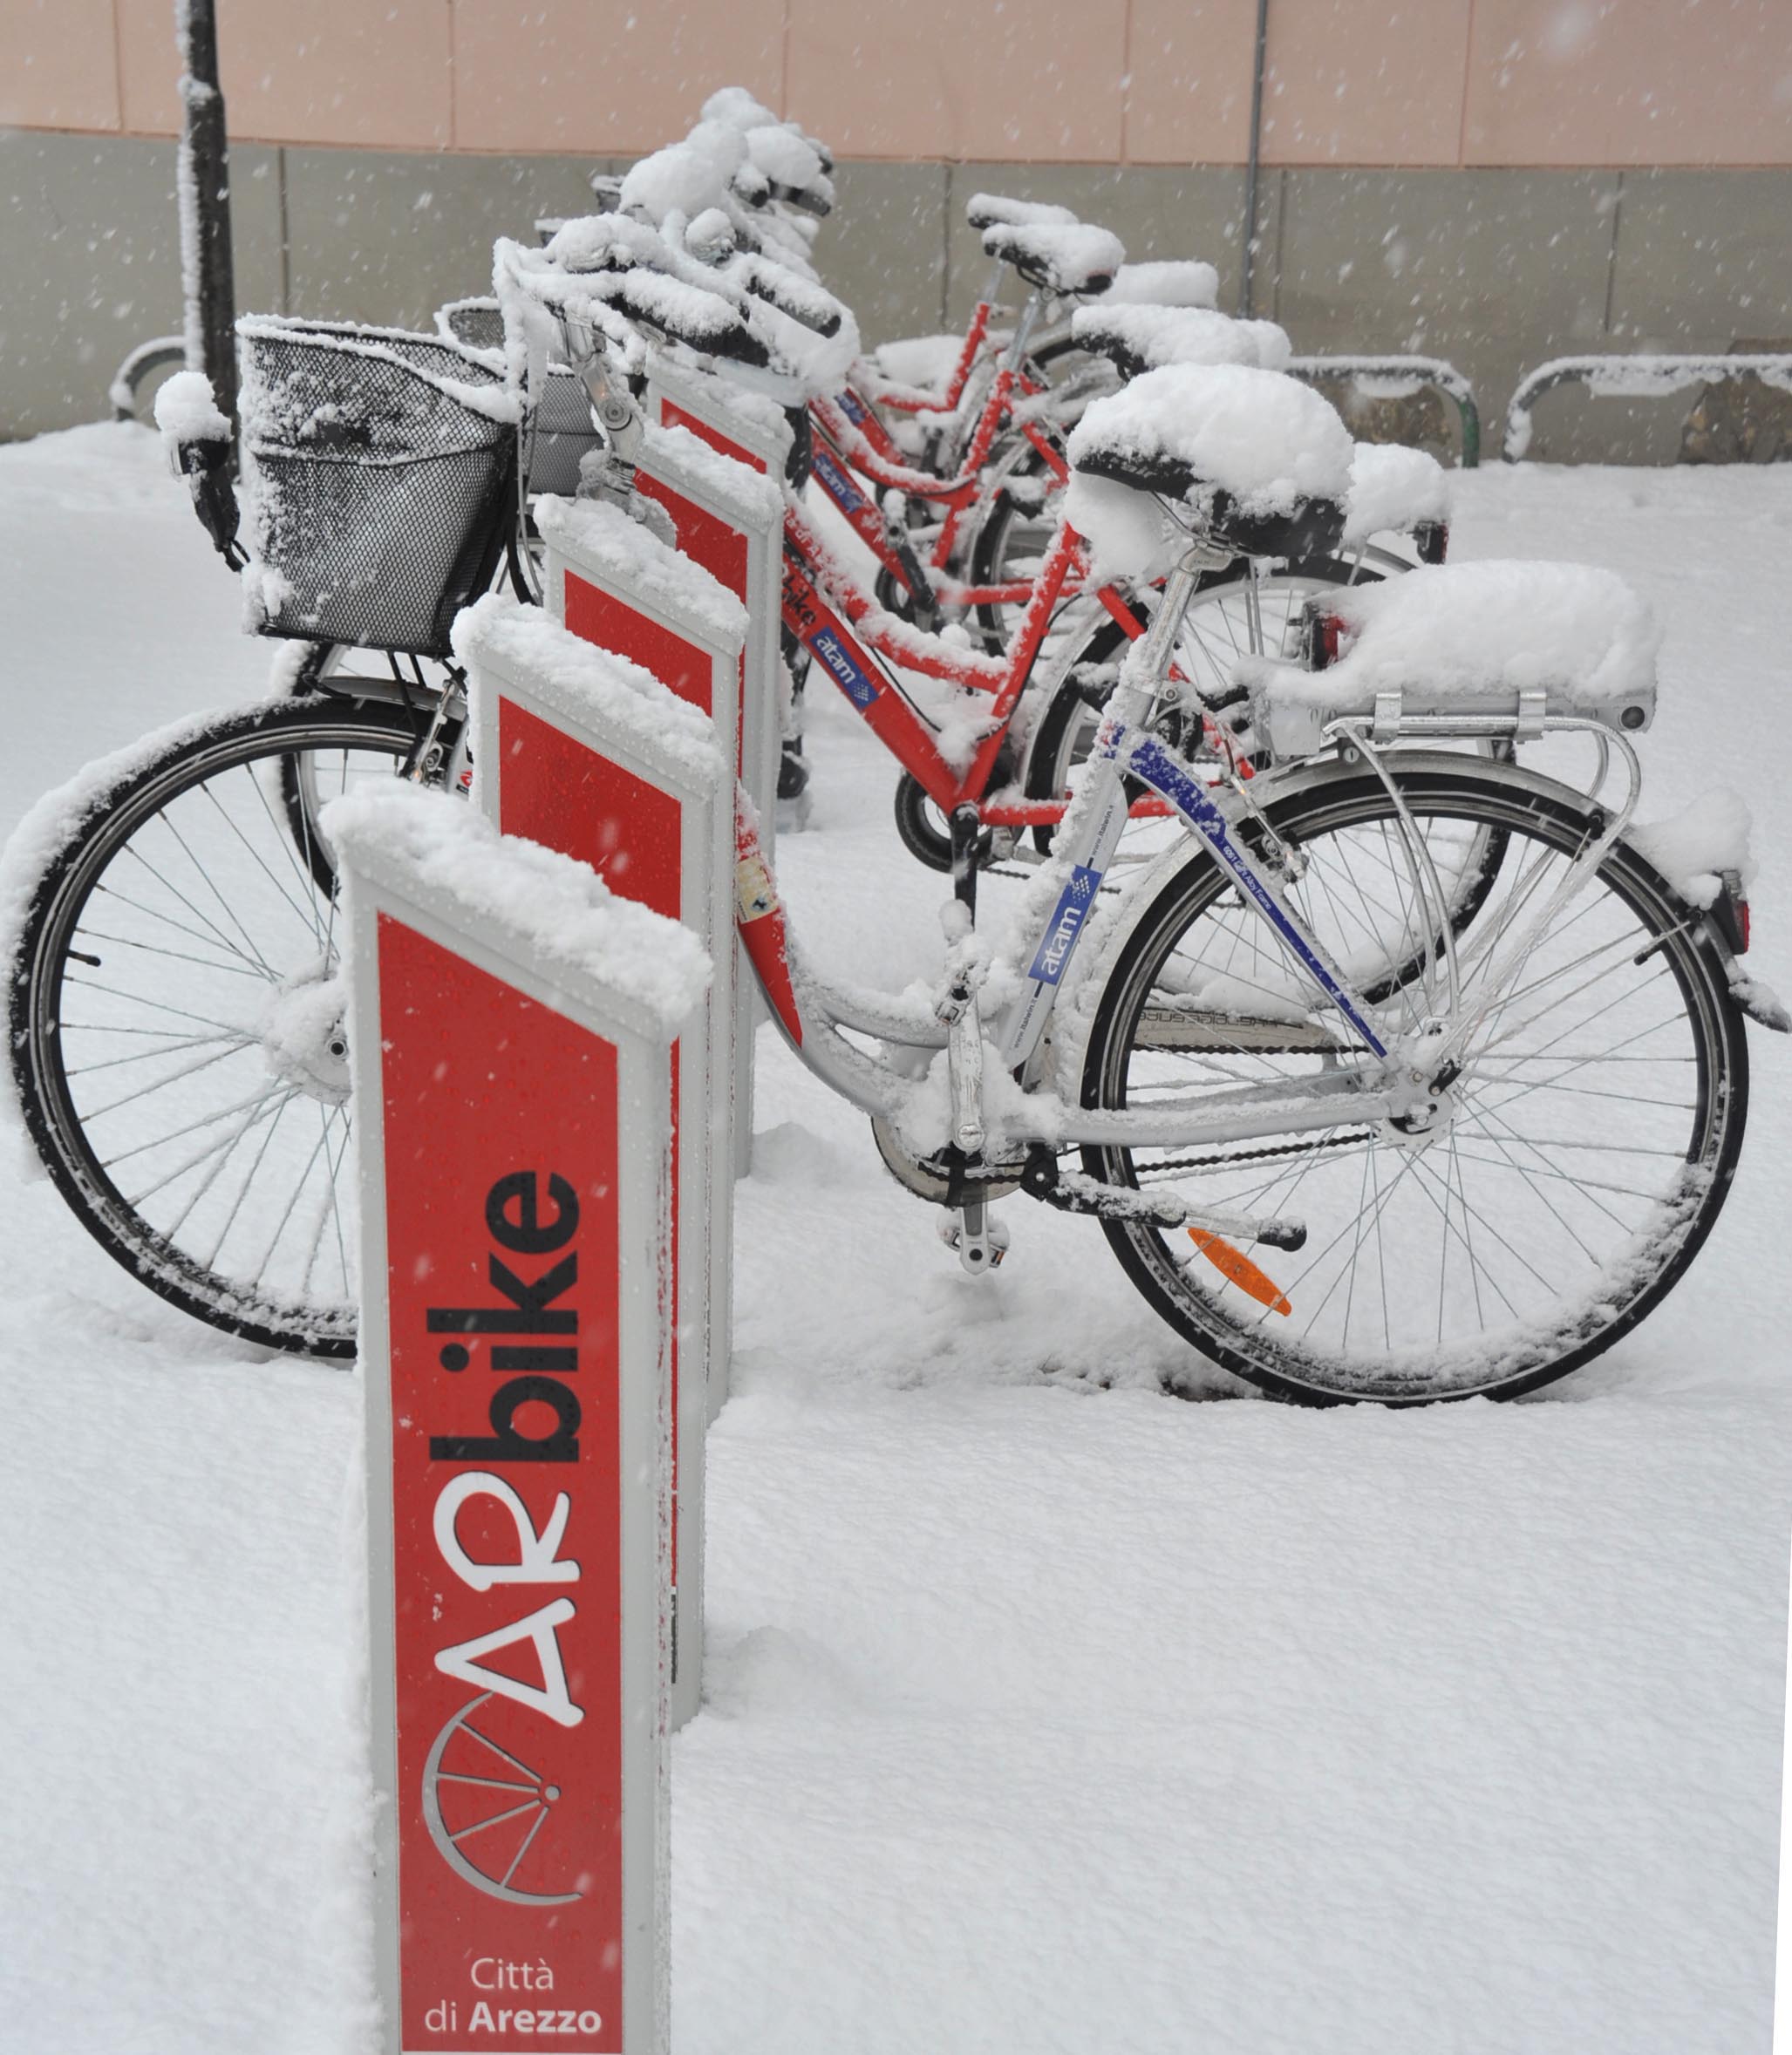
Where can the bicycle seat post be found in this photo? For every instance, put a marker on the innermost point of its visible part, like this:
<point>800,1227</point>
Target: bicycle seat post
<point>1015,356</point>
<point>1143,677</point>
<point>615,411</point>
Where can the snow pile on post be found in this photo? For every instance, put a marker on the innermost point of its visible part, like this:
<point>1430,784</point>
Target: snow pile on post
<point>578,677</point>
<point>633,556</point>
<point>749,497</point>
<point>187,411</point>
<point>562,910</point>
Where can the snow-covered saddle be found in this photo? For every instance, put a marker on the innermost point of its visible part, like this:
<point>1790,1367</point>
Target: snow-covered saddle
<point>1261,460</point>
<point>990,210</point>
<point>1057,256</point>
<point>1511,642</point>
<point>1395,491</point>
<point>1137,338</point>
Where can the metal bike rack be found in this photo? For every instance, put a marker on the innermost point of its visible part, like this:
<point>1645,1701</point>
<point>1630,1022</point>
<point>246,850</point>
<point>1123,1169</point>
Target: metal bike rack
<point>143,362</point>
<point>1651,376</point>
<point>1408,374</point>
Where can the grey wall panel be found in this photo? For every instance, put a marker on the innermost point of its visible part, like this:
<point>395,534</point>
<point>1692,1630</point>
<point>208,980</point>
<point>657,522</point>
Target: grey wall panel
<point>383,236</point>
<point>90,254</point>
<point>1703,259</point>
<point>883,249</point>
<point>1493,269</point>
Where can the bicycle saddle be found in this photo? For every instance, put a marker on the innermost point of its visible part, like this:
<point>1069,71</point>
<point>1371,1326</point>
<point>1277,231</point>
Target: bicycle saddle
<point>1138,339</point>
<point>1057,256</point>
<point>1398,491</point>
<point>1260,457</point>
<point>994,210</point>
<point>1175,282</point>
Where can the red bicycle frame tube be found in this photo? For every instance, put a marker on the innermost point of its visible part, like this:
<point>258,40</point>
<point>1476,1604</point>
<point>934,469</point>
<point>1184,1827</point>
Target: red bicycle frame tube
<point>838,426</point>
<point>828,469</point>
<point>893,639</point>
<point>878,697</point>
<point>912,400</point>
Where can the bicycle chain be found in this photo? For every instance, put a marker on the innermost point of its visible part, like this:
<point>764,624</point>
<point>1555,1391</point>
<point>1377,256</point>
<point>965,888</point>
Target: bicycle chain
<point>1286,1148</point>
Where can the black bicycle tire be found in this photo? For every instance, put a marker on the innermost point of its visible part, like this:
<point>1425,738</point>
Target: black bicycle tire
<point>1684,939</point>
<point>100,830</point>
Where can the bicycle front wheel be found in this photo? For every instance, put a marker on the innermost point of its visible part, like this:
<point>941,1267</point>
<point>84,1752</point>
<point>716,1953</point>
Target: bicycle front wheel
<point>1580,1158</point>
<point>177,1020</point>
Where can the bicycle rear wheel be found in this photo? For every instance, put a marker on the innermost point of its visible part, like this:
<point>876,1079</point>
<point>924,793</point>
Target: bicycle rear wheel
<point>176,1021</point>
<point>1583,1154</point>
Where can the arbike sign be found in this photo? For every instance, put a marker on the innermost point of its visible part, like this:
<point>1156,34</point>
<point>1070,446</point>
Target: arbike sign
<point>516,1325</point>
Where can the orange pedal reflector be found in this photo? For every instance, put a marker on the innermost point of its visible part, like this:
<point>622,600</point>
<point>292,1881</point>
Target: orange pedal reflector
<point>1234,1263</point>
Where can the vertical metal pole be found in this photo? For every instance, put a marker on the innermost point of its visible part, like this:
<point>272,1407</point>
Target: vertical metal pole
<point>1251,164</point>
<point>203,182</point>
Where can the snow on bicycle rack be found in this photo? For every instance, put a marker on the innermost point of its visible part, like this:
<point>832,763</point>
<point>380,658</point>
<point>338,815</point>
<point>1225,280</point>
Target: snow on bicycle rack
<point>730,521</point>
<point>1506,643</point>
<point>585,753</point>
<point>511,1019</point>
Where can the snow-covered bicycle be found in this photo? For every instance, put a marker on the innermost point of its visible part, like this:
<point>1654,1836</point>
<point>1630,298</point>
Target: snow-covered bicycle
<point>1400,1075</point>
<point>1473,1159</point>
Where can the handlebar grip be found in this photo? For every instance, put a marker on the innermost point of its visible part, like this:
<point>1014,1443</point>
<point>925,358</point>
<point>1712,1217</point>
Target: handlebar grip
<point>652,300</point>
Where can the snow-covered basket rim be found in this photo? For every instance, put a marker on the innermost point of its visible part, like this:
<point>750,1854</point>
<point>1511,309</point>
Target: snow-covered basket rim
<point>482,393</point>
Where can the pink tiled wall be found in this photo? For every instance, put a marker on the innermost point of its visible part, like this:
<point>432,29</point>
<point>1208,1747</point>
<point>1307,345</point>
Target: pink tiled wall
<point>1368,82</point>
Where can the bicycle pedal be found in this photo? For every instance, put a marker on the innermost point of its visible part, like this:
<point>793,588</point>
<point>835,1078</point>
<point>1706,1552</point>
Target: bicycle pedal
<point>979,1250</point>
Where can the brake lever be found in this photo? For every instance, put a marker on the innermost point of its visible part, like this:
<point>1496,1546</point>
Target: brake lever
<point>208,466</point>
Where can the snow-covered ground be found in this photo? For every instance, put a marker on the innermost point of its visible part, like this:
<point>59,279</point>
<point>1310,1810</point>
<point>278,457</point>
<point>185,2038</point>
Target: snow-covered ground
<point>1045,1711</point>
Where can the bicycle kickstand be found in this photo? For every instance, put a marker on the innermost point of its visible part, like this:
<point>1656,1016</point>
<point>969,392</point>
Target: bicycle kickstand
<point>979,1240</point>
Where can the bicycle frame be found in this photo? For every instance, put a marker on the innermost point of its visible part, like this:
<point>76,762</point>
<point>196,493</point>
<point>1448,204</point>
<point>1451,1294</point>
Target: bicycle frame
<point>811,1012</point>
<point>852,434</point>
<point>951,779</point>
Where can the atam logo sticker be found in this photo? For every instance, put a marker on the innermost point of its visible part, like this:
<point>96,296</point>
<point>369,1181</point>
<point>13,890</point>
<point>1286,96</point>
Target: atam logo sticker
<point>858,686</point>
<point>1073,910</point>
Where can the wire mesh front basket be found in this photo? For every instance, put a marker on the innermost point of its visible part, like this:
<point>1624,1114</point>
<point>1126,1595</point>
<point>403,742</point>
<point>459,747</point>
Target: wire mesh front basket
<point>563,429</point>
<point>379,468</point>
